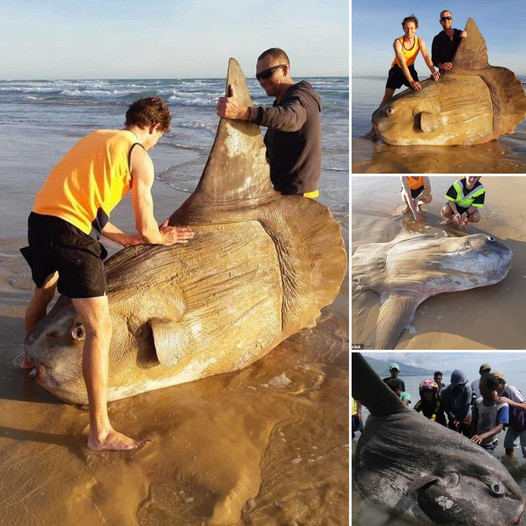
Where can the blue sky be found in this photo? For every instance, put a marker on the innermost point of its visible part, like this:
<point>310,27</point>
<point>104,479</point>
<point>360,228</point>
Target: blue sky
<point>375,25</point>
<point>50,39</point>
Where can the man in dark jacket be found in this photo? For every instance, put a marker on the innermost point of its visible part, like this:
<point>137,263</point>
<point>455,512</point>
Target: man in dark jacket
<point>293,138</point>
<point>446,43</point>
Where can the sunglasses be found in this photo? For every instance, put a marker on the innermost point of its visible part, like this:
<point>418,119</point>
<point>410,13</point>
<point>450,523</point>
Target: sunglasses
<point>444,18</point>
<point>267,73</point>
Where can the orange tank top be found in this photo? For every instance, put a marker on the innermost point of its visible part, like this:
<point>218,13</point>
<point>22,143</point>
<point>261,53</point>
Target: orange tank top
<point>415,182</point>
<point>410,55</point>
<point>89,181</point>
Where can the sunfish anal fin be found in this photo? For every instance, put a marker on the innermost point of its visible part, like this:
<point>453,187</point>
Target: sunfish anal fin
<point>396,311</point>
<point>236,174</point>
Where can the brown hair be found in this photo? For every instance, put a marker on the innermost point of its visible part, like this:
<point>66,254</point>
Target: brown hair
<point>277,53</point>
<point>410,18</point>
<point>147,112</point>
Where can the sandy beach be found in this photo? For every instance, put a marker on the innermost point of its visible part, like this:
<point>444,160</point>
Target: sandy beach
<point>279,426</point>
<point>482,318</point>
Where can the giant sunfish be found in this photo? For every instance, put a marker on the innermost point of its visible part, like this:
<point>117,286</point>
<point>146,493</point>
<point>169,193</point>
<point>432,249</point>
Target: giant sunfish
<point>419,468</point>
<point>408,270</point>
<point>472,104</point>
<point>260,268</point>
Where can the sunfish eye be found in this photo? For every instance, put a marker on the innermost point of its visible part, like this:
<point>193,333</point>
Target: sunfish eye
<point>495,487</point>
<point>491,238</point>
<point>390,111</point>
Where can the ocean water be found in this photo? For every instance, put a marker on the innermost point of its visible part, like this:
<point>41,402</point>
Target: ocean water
<point>505,155</point>
<point>41,119</point>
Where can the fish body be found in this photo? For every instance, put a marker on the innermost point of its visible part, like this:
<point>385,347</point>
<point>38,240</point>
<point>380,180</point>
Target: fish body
<point>419,468</point>
<point>260,268</point>
<point>410,269</point>
<point>472,104</point>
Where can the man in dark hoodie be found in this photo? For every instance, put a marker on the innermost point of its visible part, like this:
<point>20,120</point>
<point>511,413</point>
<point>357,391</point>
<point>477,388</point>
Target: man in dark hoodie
<point>293,138</point>
<point>456,402</point>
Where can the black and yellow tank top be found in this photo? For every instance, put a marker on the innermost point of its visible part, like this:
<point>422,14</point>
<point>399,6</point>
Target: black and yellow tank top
<point>89,181</point>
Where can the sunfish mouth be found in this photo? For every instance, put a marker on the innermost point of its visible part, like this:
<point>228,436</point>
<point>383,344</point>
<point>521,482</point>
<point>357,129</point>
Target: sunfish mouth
<point>517,519</point>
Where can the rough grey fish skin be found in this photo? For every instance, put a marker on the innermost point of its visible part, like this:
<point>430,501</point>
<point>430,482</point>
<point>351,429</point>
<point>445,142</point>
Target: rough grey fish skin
<point>472,104</point>
<point>419,468</point>
<point>408,270</point>
<point>260,268</point>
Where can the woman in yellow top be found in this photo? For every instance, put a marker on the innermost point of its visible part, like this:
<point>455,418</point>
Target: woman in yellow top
<point>402,69</point>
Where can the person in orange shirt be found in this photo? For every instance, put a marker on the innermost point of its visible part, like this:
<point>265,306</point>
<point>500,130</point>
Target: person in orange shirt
<point>70,213</point>
<point>416,191</point>
<point>402,70</point>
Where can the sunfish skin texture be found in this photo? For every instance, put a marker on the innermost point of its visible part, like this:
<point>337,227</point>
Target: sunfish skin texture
<point>472,104</point>
<point>408,270</point>
<point>260,268</point>
<point>418,468</point>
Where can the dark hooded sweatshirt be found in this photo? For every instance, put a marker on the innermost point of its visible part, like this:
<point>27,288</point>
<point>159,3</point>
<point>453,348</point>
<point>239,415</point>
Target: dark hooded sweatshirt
<point>293,139</point>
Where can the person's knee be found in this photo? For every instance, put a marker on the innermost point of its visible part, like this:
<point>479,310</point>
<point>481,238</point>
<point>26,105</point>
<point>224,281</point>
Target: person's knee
<point>445,211</point>
<point>428,199</point>
<point>475,217</point>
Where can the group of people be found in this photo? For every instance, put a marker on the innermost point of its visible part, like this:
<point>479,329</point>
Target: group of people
<point>480,410</point>
<point>406,49</point>
<point>464,199</point>
<point>72,210</point>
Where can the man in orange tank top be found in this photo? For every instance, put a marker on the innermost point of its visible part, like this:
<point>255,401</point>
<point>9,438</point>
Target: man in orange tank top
<point>402,70</point>
<point>70,213</point>
<point>416,191</point>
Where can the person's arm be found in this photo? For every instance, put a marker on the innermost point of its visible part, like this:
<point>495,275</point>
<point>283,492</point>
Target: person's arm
<point>428,61</point>
<point>407,74</point>
<point>427,187</point>
<point>143,177</point>
<point>110,231</point>
<point>289,116</point>
<point>466,403</point>
<point>410,201</point>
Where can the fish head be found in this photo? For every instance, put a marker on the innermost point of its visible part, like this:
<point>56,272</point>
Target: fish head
<point>413,117</point>
<point>475,481</point>
<point>55,347</point>
<point>472,261</point>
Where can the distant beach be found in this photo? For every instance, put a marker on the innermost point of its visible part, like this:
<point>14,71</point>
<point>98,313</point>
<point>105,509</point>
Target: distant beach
<point>505,155</point>
<point>281,423</point>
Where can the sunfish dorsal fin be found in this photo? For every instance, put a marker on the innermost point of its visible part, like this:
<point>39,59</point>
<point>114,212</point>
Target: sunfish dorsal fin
<point>472,52</point>
<point>236,174</point>
<point>370,391</point>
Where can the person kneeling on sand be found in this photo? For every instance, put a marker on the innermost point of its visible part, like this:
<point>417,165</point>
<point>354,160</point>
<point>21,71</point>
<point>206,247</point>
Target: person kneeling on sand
<point>416,191</point>
<point>465,198</point>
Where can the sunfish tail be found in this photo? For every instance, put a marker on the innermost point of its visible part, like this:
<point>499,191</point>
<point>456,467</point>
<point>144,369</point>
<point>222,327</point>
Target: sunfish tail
<point>370,391</point>
<point>396,311</point>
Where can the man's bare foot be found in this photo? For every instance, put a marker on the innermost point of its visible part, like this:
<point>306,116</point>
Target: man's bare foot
<point>405,210</point>
<point>371,134</point>
<point>113,441</point>
<point>466,226</point>
<point>447,221</point>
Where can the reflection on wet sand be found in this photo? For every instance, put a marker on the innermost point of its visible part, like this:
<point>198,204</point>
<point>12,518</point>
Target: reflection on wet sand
<point>267,445</point>
<point>493,157</point>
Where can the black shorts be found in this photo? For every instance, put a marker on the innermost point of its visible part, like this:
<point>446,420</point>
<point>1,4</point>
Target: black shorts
<point>460,209</point>
<point>415,193</point>
<point>56,245</point>
<point>397,78</point>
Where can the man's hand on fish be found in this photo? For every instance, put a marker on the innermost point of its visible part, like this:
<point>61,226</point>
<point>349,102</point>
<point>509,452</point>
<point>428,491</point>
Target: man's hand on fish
<point>416,85</point>
<point>175,234</point>
<point>435,75</point>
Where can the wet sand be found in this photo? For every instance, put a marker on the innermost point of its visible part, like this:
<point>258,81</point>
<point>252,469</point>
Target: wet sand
<point>278,429</point>
<point>483,318</point>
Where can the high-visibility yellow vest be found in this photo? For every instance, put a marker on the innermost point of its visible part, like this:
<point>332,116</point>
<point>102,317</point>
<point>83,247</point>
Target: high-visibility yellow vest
<point>466,200</point>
